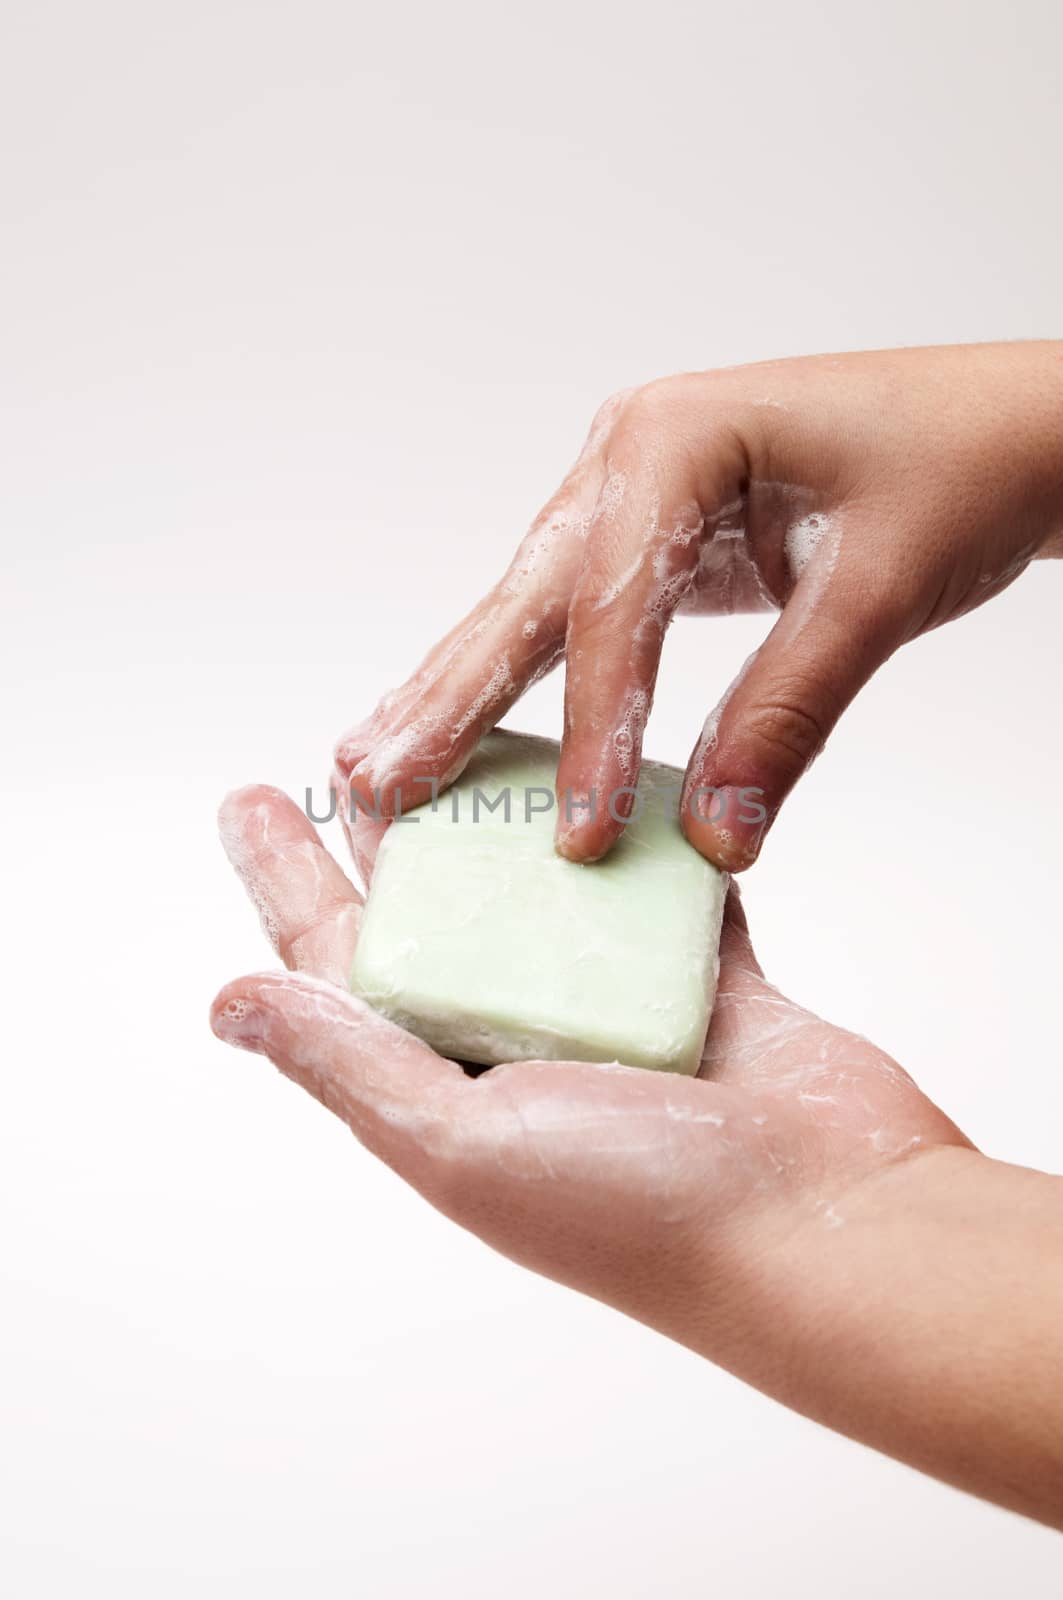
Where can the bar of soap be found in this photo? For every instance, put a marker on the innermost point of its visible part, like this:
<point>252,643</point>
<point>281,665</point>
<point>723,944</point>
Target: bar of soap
<point>479,938</point>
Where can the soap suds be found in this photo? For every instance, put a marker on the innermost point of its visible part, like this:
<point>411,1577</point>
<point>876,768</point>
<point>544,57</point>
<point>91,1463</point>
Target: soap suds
<point>709,736</point>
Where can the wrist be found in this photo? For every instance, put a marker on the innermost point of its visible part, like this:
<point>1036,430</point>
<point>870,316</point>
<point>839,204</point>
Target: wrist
<point>771,1284</point>
<point>919,1314</point>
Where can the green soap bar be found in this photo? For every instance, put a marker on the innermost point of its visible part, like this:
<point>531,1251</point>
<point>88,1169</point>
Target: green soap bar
<point>483,941</point>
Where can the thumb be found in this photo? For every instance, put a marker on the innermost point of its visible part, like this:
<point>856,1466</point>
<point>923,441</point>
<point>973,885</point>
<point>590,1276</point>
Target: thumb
<point>775,718</point>
<point>402,1101</point>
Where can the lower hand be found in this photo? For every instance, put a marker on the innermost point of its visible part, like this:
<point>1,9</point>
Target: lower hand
<point>683,1202</point>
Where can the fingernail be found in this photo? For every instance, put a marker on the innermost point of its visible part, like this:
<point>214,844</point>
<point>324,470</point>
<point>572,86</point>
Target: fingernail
<point>240,1023</point>
<point>361,784</point>
<point>728,823</point>
<point>576,815</point>
<point>355,743</point>
<point>566,841</point>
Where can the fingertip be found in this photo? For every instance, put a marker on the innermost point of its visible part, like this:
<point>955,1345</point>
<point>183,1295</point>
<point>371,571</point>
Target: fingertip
<point>353,745</point>
<point>731,845</point>
<point>589,820</point>
<point>258,818</point>
<point>392,776</point>
<point>239,801</point>
<point>362,794</point>
<point>234,1017</point>
<point>264,1010</point>
<point>584,840</point>
<point>233,814</point>
<point>567,845</point>
<point>595,801</point>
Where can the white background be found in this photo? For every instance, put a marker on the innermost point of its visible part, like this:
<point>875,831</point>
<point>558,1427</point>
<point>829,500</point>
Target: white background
<point>305,308</point>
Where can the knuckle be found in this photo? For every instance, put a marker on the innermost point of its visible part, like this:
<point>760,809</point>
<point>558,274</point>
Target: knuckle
<point>652,405</point>
<point>459,1159</point>
<point>611,406</point>
<point>786,729</point>
<point>346,754</point>
<point>661,429</point>
<point>444,1148</point>
<point>602,424</point>
<point>298,946</point>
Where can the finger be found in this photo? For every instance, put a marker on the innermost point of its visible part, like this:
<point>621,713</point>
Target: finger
<point>362,830</point>
<point>548,1162</point>
<point>309,909</point>
<point>408,1106</point>
<point>742,992</point>
<point>427,730</point>
<point>777,715</point>
<point>642,558</point>
<point>471,679</point>
<point>751,1021</point>
<point>642,554</point>
<point>737,955</point>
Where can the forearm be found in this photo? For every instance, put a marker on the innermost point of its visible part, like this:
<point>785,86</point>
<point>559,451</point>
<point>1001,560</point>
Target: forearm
<point>922,1314</point>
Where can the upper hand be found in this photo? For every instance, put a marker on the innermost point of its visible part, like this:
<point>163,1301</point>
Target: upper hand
<point>866,497</point>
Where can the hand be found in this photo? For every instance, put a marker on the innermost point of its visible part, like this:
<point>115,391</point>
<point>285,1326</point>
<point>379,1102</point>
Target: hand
<point>680,1201</point>
<point>867,497</point>
<point>798,1213</point>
